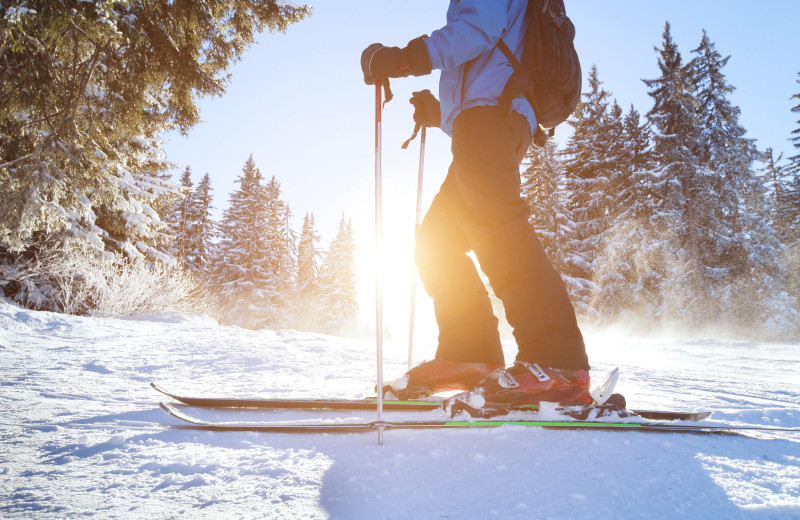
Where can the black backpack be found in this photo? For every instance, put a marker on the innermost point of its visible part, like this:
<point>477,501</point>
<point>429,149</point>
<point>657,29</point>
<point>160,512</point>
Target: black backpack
<point>550,73</point>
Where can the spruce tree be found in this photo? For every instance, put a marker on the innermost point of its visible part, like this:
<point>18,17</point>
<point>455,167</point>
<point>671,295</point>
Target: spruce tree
<point>795,140</point>
<point>179,219</point>
<point>727,158</point>
<point>240,273</point>
<point>307,283</point>
<point>280,254</point>
<point>620,280</point>
<point>740,249</point>
<point>589,164</point>
<point>616,156</point>
<point>202,229</point>
<point>338,284</point>
<point>790,202</point>
<point>636,168</point>
<point>254,260</point>
<point>783,183</point>
<point>88,90</point>
<point>543,187</point>
<point>676,267</point>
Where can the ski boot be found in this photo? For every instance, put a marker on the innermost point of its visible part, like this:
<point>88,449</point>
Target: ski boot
<point>524,386</point>
<point>439,375</point>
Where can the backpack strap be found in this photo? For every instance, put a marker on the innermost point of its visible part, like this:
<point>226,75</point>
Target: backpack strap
<point>518,83</point>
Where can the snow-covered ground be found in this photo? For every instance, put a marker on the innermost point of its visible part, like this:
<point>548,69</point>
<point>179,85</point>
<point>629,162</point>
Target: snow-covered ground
<point>82,434</point>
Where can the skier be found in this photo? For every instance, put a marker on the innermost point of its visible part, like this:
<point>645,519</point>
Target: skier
<point>479,209</point>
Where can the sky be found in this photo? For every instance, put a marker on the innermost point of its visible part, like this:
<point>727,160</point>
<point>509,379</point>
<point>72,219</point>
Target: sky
<point>298,104</point>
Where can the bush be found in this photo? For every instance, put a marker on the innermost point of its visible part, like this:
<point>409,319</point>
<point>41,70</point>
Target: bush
<point>74,278</point>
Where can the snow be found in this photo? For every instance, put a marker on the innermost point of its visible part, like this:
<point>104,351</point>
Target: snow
<point>82,433</point>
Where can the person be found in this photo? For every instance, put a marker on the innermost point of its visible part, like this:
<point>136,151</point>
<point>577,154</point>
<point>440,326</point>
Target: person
<point>479,208</point>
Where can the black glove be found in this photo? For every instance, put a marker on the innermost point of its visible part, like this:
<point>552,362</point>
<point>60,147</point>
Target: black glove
<point>426,112</point>
<point>380,63</point>
<point>426,109</point>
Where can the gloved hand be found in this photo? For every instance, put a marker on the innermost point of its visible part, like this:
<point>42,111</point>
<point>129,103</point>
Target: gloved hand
<point>380,63</point>
<point>427,110</point>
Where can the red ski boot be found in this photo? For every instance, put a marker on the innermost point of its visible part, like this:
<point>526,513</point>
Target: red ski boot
<point>439,375</point>
<point>528,383</point>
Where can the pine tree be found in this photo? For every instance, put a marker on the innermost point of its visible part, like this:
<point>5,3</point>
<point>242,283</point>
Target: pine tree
<point>202,229</point>
<point>636,169</point>
<point>795,159</point>
<point>280,254</point>
<point>783,185</point>
<point>616,156</point>
<point>543,187</point>
<point>338,284</point>
<point>727,156</point>
<point>740,249</point>
<point>589,165</point>
<point>179,218</point>
<point>620,281</point>
<point>788,209</point>
<point>88,89</point>
<point>239,271</point>
<point>676,267</point>
<point>790,202</point>
<point>307,282</point>
<point>254,261</point>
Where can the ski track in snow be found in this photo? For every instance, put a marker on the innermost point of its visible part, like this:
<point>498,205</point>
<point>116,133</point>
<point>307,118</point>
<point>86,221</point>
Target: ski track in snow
<point>82,434</point>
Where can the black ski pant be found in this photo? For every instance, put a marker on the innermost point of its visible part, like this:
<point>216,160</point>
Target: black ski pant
<point>479,209</point>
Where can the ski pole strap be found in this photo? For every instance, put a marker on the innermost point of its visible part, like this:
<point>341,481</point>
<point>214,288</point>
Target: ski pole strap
<point>413,136</point>
<point>387,92</point>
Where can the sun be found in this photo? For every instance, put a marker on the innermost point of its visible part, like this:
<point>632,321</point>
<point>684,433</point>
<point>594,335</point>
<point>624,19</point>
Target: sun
<point>398,275</point>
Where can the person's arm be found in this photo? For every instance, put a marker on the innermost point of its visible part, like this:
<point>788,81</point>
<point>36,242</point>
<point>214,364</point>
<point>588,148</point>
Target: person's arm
<point>475,29</point>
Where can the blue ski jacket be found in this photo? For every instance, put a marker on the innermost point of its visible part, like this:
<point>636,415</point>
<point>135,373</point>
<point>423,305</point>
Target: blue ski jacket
<point>464,50</point>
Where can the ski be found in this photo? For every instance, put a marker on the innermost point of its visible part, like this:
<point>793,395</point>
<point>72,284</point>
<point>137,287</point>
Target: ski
<point>194,423</point>
<point>372,403</point>
<point>301,404</point>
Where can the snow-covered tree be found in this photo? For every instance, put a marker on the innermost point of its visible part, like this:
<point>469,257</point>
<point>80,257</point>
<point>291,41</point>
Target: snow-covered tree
<point>543,187</point>
<point>740,248</point>
<point>178,220</point>
<point>306,305</point>
<point>88,89</point>
<point>253,266</point>
<point>789,202</point>
<point>238,266</point>
<point>280,253</point>
<point>795,140</point>
<point>587,174</point>
<point>676,144</point>
<point>726,156</point>
<point>337,283</point>
<point>202,228</point>
<point>635,200</point>
<point>620,281</point>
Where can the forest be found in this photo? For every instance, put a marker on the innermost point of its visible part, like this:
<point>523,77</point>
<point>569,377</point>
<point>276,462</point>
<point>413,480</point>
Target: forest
<point>673,216</point>
<point>654,217</point>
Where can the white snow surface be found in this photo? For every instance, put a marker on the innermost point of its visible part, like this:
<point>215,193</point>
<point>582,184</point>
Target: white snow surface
<point>83,436</point>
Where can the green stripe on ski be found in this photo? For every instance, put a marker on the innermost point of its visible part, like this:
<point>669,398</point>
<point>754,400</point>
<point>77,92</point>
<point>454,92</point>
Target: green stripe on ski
<point>432,404</point>
<point>545,423</point>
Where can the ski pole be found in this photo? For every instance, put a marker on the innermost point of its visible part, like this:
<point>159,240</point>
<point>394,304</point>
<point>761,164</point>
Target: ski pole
<point>416,231</point>
<point>378,259</point>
